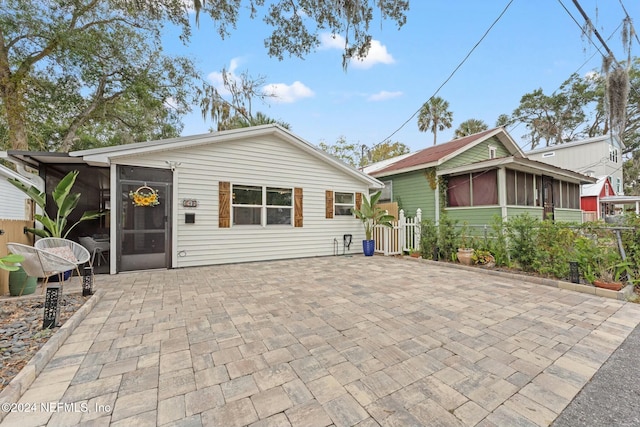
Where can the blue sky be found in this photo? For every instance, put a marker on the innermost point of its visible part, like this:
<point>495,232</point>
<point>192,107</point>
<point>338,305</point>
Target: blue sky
<point>536,44</point>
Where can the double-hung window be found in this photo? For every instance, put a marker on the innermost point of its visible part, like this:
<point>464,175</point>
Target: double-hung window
<point>258,205</point>
<point>344,204</point>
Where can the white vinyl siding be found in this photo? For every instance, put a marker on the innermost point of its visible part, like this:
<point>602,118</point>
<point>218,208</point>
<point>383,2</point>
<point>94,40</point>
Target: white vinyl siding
<point>270,162</point>
<point>13,204</point>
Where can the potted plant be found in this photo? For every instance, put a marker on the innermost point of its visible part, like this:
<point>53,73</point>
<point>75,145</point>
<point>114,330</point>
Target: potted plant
<point>612,277</point>
<point>66,202</point>
<point>483,258</point>
<point>465,253</point>
<point>371,215</point>
<point>19,281</point>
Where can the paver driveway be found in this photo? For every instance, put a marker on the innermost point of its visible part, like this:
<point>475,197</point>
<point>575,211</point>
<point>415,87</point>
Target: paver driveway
<point>315,342</point>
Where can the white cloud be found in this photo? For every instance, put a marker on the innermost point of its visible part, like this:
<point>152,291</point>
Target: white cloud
<point>216,77</point>
<point>331,41</point>
<point>286,94</point>
<point>383,95</point>
<point>377,54</point>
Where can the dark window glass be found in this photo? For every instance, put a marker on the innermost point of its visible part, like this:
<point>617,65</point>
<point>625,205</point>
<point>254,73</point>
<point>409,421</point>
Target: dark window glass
<point>245,195</point>
<point>278,196</point>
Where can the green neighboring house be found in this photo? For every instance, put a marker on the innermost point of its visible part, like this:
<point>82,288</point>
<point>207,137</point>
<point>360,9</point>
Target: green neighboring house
<point>474,178</point>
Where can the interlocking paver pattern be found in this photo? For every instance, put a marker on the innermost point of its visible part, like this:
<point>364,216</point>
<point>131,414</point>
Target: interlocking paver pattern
<point>341,341</point>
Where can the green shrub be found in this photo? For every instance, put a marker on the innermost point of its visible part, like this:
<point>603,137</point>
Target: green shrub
<point>428,238</point>
<point>554,249</point>
<point>522,232</point>
<point>497,243</point>
<point>448,238</point>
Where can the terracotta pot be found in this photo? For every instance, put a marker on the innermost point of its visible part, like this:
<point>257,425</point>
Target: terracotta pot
<point>415,254</point>
<point>614,286</point>
<point>464,256</point>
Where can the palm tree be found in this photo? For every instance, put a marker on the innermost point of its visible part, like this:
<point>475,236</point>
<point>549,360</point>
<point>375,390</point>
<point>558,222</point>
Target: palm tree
<point>434,116</point>
<point>238,121</point>
<point>469,127</point>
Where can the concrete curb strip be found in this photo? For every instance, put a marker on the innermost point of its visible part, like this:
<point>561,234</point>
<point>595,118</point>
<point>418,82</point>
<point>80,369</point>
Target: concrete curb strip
<point>21,382</point>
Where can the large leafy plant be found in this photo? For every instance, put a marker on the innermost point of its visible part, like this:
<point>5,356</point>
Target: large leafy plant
<point>65,201</point>
<point>372,215</point>
<point>7,262</point>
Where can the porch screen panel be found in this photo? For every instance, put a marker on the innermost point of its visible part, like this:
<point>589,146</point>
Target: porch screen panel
<point>459,191</point>
<point>485,188</point>
<point>511,187</point>
<point>538,201</point>
<point>574,196</point>
<point>557,199</point>
<point>521,189</point>
<point>530,196</point>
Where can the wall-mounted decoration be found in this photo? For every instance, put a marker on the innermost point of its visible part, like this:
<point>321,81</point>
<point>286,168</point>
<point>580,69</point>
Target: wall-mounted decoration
<point>190,203</point>
<point>145,196</point>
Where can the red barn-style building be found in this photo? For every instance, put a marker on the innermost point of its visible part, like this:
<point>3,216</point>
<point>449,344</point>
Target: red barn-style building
<point>593,208</point>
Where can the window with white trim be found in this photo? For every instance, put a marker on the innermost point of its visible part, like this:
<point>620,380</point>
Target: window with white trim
<point>343,204</point>
<point>492,152</point>
<point>386,193</point>
<point>258,205</point>
<point>613,154</point>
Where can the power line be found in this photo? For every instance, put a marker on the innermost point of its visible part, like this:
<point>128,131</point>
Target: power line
<point>595,30</point>
<point>450,75</point>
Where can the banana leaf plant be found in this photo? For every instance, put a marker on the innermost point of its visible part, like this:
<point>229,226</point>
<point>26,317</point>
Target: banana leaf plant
<point>7,261</point>
<point>65,201</point>
<point>372,215</point>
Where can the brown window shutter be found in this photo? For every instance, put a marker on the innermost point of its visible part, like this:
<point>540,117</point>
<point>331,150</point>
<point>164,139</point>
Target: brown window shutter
<point>358,201</point>
<point>329,204</point>
<point>224,204</point>
<point>297,207</point>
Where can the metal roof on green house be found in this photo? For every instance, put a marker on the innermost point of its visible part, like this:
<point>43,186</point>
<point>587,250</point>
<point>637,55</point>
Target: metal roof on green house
<point>438,153</point>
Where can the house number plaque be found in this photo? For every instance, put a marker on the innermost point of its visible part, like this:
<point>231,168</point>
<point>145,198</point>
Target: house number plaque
<point>190,203</point>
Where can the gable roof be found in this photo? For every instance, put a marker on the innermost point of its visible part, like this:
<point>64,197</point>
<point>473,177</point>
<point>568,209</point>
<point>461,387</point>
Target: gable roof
<point>601,138</point>
<point>440,153</point>
<point>103,156</point>
<point>596,188</point>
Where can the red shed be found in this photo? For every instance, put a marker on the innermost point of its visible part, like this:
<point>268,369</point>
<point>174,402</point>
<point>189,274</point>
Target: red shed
<point>592,208</point>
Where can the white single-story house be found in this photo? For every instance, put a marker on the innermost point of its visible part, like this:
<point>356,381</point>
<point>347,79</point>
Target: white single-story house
<point>251,194</point>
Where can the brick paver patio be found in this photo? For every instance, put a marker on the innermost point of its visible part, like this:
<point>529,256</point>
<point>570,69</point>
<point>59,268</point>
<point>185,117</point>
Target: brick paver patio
<point>341,341</point>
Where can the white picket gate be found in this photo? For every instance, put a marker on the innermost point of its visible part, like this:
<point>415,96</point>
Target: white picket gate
<point>403,236</point>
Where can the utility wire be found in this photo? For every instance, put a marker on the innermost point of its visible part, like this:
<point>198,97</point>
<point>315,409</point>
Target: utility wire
<point>450,75</point>
<point>595,30</point>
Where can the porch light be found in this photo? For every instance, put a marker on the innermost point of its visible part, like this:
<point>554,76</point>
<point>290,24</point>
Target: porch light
<point>574,272</point>
<point>87,282</point>
<point>52,306</point>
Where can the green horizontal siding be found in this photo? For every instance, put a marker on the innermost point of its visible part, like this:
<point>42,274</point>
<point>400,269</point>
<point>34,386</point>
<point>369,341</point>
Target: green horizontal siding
<point>412,191</point>
<point>521,210</point>
<point>568,215</point>
<point>474,216</point>
<point>476,154</point>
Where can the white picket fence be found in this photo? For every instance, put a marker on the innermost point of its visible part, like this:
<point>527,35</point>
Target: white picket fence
<point>403,236</point>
